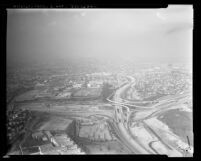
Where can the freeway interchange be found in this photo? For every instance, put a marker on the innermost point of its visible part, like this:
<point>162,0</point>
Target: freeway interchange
<point>123,120</point>
<point>125,116</point>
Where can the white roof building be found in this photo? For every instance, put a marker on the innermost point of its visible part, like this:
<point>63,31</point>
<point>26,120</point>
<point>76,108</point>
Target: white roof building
<point>77,85</point>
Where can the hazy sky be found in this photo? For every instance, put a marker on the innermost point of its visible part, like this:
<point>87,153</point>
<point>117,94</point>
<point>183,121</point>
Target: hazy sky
<point>161,35</point>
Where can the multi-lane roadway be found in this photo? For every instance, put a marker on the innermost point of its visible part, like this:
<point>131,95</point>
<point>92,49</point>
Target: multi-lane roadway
<point>123,118</point>
<point>122,115</point>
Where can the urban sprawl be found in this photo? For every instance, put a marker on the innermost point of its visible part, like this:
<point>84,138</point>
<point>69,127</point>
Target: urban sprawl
<point>94,108</point>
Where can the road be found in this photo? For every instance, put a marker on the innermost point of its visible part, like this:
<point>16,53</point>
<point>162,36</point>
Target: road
<point>122,115</point>
<point>123,128</point>
<point>123,124</point>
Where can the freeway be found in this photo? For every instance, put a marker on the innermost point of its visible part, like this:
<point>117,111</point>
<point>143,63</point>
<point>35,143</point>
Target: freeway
<point>154,112</point>
<point>123,124</point>
<point>65,112</point>
<point>123,128</point>
<point>150,145</point>
<point>122,115</point>
<point>85,113</point>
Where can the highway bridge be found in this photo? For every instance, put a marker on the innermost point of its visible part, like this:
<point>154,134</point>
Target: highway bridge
<point>123,114</point>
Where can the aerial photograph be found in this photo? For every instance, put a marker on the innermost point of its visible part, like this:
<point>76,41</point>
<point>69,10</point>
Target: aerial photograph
<point>100,81</point>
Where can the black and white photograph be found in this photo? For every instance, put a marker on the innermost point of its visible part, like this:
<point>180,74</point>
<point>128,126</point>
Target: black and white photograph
<point>82,81</point>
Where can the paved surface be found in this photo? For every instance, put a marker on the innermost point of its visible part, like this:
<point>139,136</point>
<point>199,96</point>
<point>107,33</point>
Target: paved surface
<point>121,125</point>
<point>162,106</point>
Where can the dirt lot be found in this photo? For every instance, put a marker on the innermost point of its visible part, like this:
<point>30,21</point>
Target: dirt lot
<point>45,121</point>
<point>110,147</point>
<point>27,96</point>
<point>180,122</point>
<point>87,92</point>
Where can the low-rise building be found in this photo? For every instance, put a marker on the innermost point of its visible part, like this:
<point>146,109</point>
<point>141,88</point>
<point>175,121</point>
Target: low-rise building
<point>50,149</point>
<point>64,94</point>
<point>51,138</point>
<point>30,150</point>
<point>95,84</point>
<point>37,135</point>
<point>77,85</point>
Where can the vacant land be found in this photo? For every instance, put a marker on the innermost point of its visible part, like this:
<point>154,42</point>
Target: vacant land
<point>106,107</point>
<point>51,123</point>
<point>27,96</point>
<point>110,147</point>
<point>180,122</point>
<point>96,132</point>
<point>87,92</point>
